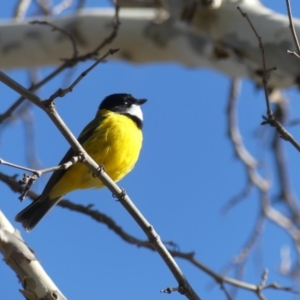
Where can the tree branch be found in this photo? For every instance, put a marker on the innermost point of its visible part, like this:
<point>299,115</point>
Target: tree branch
<point>35,281</point>
<point>184,286</point>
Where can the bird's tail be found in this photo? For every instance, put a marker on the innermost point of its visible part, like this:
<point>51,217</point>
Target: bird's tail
<point>33,213</point>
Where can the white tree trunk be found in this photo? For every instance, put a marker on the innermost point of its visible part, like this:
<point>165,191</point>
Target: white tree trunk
<point>218,38</point>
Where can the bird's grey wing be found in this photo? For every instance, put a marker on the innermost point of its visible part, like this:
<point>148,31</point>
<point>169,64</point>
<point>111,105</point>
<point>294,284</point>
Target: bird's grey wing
<point>55,177</point>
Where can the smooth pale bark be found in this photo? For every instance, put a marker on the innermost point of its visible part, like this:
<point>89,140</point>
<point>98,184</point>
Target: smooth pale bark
<point>36,283</point>
<point>217,38</point>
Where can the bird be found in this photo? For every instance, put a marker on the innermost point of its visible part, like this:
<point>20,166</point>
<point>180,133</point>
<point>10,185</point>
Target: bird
<point>113,139</point>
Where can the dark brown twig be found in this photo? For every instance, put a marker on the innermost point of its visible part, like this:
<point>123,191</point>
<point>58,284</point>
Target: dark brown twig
<point>269,119</point>
<point>111,37</point>
<point>44,7</point>
<point>112,225</point>
<point>238,263</point>
<point>63,166</point>
<point>62,31</point>
<point>223,287</point>
<point>62,92</point>
<point>293,31</point>
<point>27,116</point>
<point>237,198</point>
<point>285,192</point>
<point>124,200</point>
<point>68,64</point>
<point>265,71</point>
<point>237,142</point>
<point>239,148</point>
<point>29,180</point>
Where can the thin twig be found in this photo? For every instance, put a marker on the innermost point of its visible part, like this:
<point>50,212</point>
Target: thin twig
<point>62,31</point>
<point>292,27</point>
<point>112,36</point>
<point>183,285</point>
<point>30,180</point>
<point>33,88</point>
<point>265,73</point>
<point>285,193</point>
<point>223,287</point>
<point>62,6</point>
<point>239,261</point>
<point>237,198</point>
<point>269,119</point>
<point>293,53</point>
<point>68,64</point>
<point>44,7</point>
<point>117,229</point>
<point>252,240</point>
<point>21,9</point>
<point>64,166</point>
<point>27,116</point>
<point>241,152</point>
<point>62,92</point>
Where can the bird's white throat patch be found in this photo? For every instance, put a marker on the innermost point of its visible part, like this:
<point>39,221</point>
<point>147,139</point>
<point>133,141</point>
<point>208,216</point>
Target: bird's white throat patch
<point>135,110</point>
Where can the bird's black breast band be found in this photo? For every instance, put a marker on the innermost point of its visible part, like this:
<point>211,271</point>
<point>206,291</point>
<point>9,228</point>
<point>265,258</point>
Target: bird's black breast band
<point>136,120</point>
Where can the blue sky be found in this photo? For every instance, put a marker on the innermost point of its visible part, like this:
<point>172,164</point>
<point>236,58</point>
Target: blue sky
<point>186,173</point>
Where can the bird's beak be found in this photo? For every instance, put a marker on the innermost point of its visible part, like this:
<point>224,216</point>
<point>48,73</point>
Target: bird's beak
<point>141,101</point>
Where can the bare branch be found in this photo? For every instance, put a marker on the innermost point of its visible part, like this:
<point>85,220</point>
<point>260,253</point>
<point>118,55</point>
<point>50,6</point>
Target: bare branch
<point>62,92</point>
<point>269,119</point>
<point>68,63</point>
<point>21,9</point>
<point>62,31</point>
<point>112,36</point>
<point>223,287</point>
<point>119,193</point>
<point>292,27</point>
<point>44,7</point>
<point>237,141</point>
<point>30,180</point>
<point>112,225</point>
<point>39,173</point>
<point>285,193</point>
<point>62,6</point>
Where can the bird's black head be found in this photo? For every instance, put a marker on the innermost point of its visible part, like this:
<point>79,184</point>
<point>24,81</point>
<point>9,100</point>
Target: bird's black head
<point>125,104</point>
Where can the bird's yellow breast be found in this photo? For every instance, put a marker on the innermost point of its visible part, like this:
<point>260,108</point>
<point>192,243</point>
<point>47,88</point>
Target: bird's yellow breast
<point>115,143</point>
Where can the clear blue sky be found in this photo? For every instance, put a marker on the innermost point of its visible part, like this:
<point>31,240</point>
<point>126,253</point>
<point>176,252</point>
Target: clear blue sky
<point>186,173</point>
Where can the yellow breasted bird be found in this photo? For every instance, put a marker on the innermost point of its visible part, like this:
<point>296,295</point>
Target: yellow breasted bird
<point>113,139</point>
